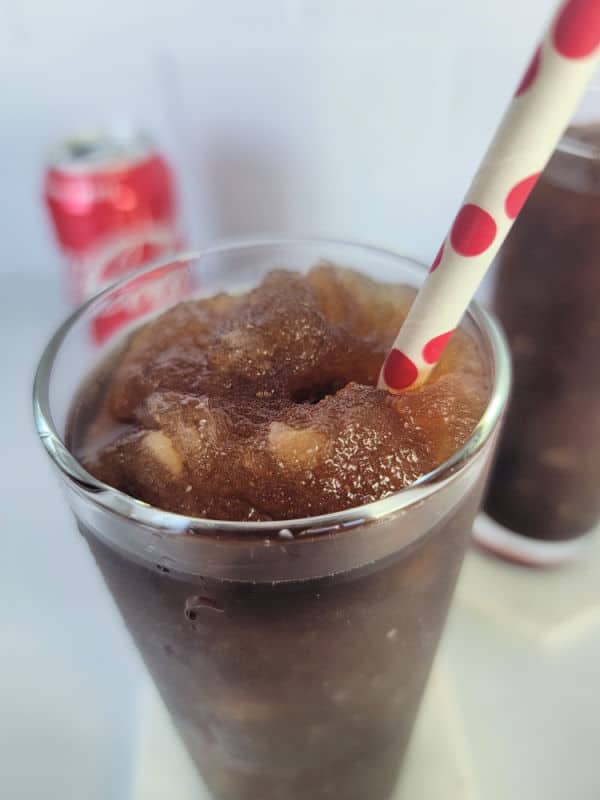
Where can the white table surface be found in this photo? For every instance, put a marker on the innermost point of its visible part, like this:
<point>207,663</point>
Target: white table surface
<point>69,680</point>
<point>516,688</point>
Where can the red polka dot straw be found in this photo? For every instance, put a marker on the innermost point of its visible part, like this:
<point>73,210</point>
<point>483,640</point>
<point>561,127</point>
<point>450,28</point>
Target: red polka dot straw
<point>544,102</point>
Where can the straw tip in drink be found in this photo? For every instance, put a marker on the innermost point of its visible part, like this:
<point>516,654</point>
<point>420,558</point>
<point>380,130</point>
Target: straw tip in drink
<point>399,372</point>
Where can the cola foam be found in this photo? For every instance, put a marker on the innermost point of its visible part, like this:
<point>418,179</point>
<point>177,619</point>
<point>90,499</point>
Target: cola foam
<point>264,405</point>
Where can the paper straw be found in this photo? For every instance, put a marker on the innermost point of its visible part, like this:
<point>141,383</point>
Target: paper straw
<point>539,112</point>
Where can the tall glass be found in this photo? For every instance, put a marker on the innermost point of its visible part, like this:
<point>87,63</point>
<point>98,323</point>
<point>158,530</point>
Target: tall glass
<point>291,655</point>
<point>543,492</point>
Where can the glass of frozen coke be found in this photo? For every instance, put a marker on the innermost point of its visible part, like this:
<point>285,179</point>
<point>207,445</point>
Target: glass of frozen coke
<point>281,538</point>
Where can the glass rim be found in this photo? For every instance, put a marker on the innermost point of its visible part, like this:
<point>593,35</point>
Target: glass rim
<point>571,145</point>
<point>129,507</point>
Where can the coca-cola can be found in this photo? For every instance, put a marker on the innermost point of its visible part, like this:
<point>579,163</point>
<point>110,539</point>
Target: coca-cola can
<point>112,199</point>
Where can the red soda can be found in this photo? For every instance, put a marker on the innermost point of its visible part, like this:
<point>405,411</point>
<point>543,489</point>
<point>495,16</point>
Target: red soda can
<point>112,199</point>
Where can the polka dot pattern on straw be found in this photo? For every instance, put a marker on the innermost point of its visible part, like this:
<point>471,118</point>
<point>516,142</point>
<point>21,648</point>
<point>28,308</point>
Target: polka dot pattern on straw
<point>515,200</point>
<point>437,260</point>
<point>530,73</point>
<point>576,33</point>
<point>473,232</point>
<point>544,101</point>
<point>435,347</point>
<point>399,371</point>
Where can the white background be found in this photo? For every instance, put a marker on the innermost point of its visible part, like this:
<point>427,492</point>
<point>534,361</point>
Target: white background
<point>354,118</point>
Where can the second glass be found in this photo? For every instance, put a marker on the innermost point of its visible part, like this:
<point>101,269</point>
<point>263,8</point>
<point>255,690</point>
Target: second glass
<point>544,486</point>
